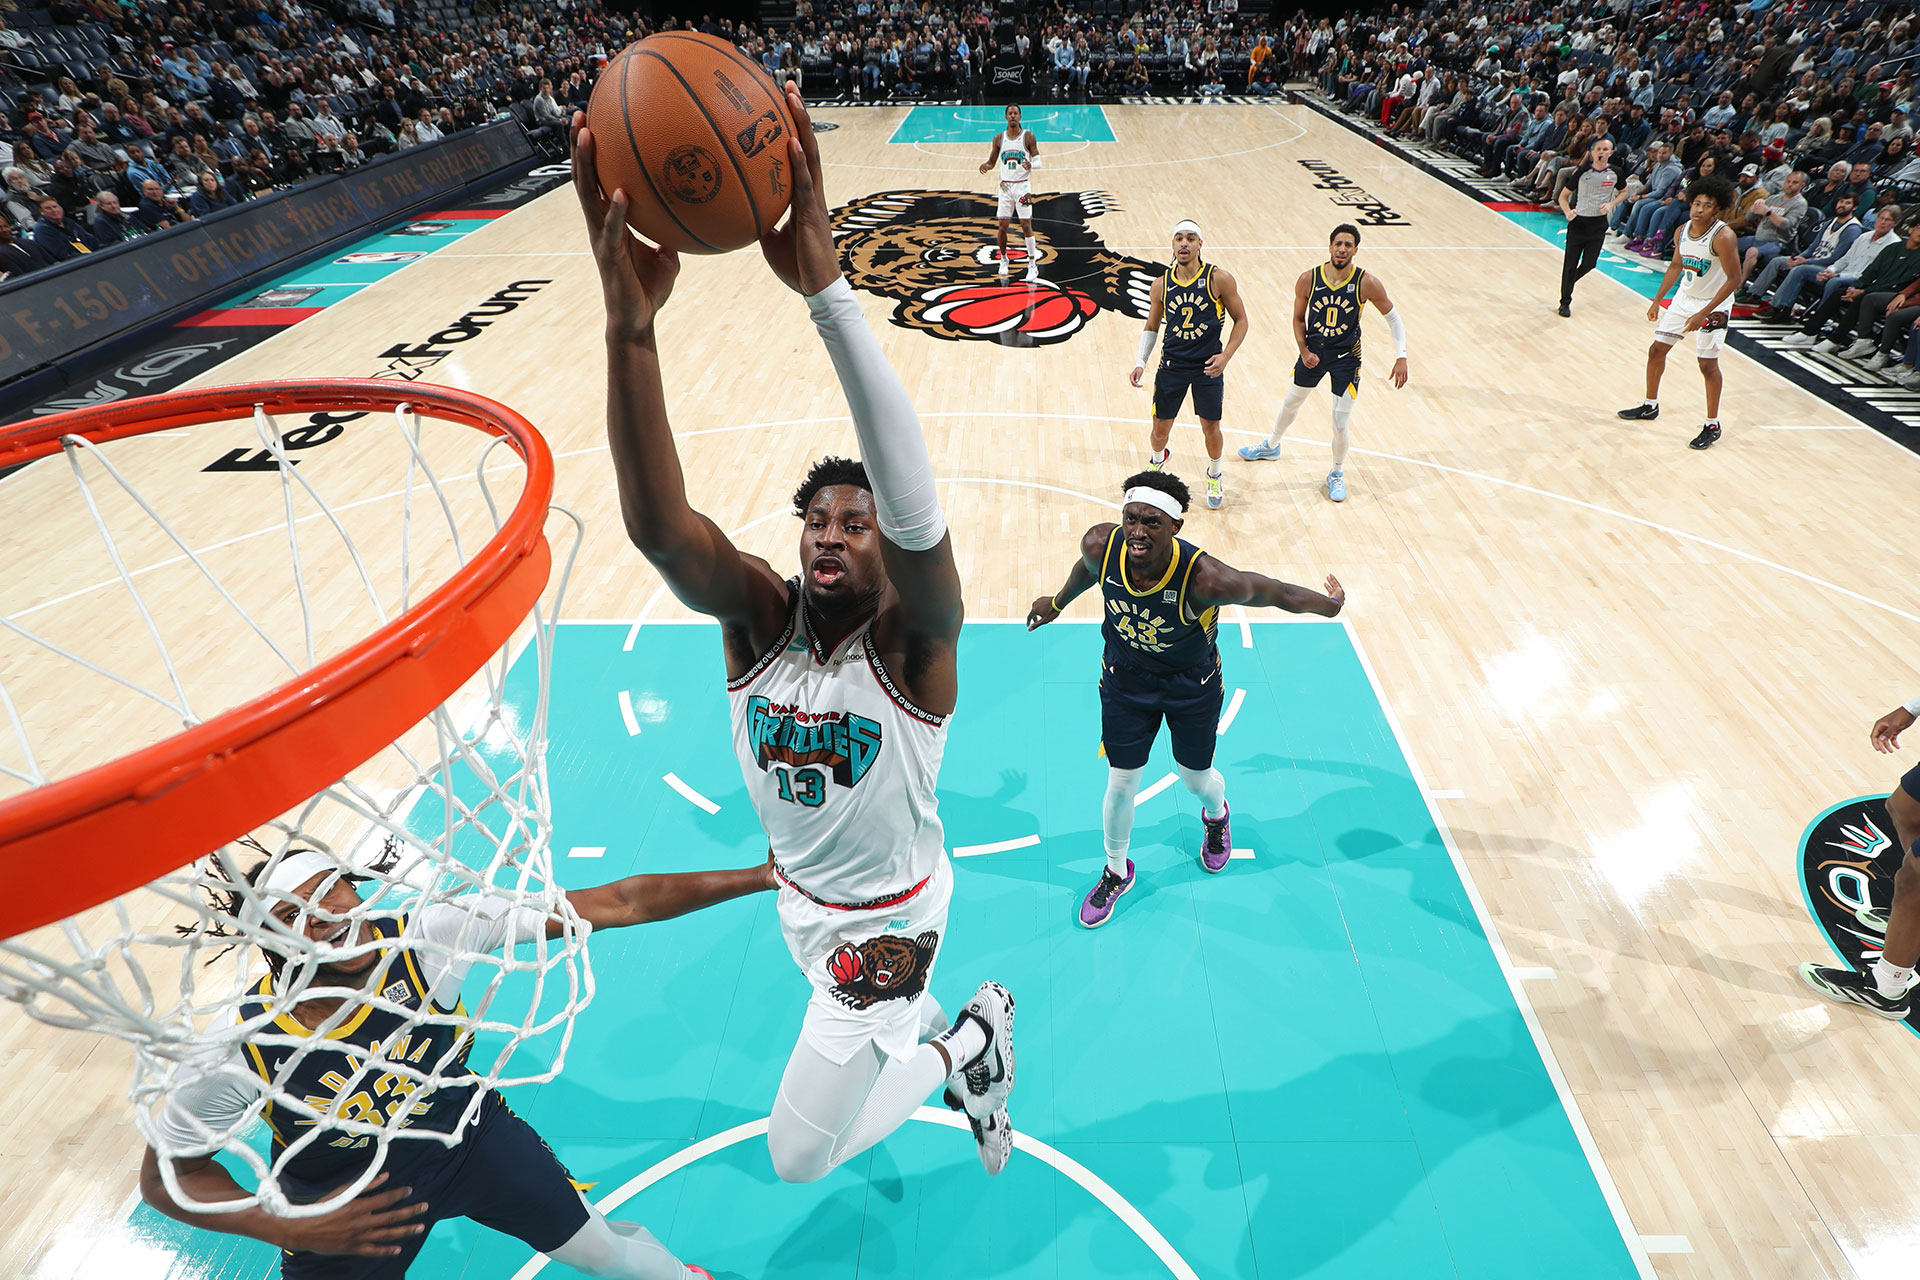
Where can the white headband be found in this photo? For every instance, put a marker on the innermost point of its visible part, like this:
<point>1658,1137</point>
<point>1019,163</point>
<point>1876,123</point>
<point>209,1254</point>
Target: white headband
<point>1187,224</point>
<point>286,876</point>
<point>1153,498</point>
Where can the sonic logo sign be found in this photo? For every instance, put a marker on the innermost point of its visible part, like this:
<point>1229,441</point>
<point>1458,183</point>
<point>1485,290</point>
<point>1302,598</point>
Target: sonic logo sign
<point>934,253</point>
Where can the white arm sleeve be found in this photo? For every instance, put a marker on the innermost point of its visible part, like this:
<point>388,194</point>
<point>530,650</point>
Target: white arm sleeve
<point>490,921</point>
<point>1399,328</point>
<point>208,1104</point>
<point>891,445</point>
<point>1913,707</point>
<point>1146,347</point>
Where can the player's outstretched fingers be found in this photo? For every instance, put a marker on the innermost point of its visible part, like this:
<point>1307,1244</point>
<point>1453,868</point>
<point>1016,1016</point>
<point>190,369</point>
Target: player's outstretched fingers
<point>586,180</point>
<point>803,126</point>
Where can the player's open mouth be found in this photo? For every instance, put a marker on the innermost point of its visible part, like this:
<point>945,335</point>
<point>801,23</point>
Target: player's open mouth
<point>828,571</point>
<point>1139,546</point>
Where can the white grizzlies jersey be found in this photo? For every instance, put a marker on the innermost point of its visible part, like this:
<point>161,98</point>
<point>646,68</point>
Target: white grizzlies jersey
<point>840,765</point>
<point>1016,166</point>
<point>1701,271</point>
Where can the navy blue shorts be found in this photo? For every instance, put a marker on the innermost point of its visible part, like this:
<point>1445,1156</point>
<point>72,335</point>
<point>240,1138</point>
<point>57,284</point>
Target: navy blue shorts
<point>502,1175</point>
<point>1133,702</point>
<point>1344,369</point>
<point>1911,783</point>
<point>1170,392</point>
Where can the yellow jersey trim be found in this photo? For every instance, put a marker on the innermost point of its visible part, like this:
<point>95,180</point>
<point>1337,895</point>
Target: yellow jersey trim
<point>1172,564</point>
<point>1173,274</point>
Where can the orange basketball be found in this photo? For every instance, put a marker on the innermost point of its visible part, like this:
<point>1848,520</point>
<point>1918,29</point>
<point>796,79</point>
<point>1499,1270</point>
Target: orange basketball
<point>696,134</point>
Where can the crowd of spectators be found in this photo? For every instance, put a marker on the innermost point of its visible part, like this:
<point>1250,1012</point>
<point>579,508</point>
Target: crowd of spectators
<point>1806,107</point>
<point>124,117</point>
<point>127,116</point>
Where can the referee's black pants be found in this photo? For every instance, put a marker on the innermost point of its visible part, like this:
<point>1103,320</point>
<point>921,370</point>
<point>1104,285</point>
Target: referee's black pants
<point>1586,236</point>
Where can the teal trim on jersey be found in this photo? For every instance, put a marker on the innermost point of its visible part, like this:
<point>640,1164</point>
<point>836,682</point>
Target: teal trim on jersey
<point>1308,1065</point>
<point>1051,125</point>
<point>1642,275</point>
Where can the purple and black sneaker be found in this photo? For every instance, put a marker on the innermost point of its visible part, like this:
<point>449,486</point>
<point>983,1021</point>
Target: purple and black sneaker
<point>1217,846</point>
<point>1097,906</point>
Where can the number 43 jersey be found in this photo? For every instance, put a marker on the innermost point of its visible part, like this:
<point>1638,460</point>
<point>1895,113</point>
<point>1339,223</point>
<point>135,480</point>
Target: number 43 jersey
<point>840,765</point>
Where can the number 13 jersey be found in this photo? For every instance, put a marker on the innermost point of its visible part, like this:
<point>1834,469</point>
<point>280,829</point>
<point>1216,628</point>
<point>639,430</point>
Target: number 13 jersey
<point>840,765</point>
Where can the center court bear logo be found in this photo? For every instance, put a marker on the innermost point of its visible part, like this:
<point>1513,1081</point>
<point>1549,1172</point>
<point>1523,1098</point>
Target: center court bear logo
<point>888,967</point>
<point>934,253</point>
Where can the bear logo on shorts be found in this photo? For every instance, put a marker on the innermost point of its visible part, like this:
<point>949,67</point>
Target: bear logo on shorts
<point>888,967</point>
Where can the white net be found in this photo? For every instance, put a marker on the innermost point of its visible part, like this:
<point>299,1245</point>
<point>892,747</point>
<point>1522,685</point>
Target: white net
<point>361,970</point>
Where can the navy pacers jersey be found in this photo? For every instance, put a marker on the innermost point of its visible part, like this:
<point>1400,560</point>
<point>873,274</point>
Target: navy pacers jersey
<point>1333,315</point>
<point>1194,318</point>
<point>331,1067</point>
<point>1152,626</point>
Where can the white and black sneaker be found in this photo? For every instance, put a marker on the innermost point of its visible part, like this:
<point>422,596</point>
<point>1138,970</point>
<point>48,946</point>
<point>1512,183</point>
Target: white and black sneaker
<point>980,1087</point>
<point>1844,986</point>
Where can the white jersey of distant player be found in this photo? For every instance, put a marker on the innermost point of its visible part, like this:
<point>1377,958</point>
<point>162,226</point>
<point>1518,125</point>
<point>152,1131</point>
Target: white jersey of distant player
<point>1016,166</point>
<point>1701,271</point>
<point>840,766</point>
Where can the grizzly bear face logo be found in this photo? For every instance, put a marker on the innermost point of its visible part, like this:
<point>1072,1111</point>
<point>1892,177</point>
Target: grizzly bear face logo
<point>888,967</point>
<point>935,254</point>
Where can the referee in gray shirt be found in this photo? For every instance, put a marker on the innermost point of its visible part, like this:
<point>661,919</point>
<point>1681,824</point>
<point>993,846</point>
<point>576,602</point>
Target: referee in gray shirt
<point>1587,201</point>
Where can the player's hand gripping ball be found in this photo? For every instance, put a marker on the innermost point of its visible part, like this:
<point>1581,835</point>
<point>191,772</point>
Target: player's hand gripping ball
<point>696,135</point>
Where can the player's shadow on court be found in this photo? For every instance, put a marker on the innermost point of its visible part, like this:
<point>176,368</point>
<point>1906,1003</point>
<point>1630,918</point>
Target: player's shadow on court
<point>1463,1091</point>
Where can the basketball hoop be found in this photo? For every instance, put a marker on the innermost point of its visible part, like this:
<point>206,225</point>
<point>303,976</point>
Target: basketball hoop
<point>403,759</point>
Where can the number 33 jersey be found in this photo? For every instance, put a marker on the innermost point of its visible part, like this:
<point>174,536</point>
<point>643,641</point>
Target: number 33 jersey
<point>840,765</point>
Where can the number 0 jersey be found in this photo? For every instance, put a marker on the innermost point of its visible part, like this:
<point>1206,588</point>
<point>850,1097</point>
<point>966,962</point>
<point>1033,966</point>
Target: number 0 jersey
<point>1333,315</point>
<point>1152,626</point>
<point>839,764</point>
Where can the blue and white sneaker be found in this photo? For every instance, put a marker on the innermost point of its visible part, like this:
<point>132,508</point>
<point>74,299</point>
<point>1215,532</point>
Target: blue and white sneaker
<point>1337,485</point>
<point>1216,494</point>
<point>1261,452</point>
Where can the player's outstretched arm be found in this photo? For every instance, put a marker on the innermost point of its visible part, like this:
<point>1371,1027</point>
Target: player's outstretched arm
<point>1084,574</point>
<point>1237,312</point>
<point>701,567</point>
<point>370,1226</point>
<point>1373,290</point>
<point>1215,583</point>
<point>645,899</point>
<point>914,540</point>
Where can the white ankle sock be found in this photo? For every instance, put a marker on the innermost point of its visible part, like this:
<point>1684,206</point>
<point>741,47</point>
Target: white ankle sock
<point>1213,468</point>
<point>1160,457</point>
<point>964,1041</point>
<point>1891,979</point>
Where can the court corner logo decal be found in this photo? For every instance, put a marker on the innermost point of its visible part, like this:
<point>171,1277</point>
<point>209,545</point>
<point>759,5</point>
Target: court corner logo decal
<point>1848,858</point>
<point>935,254</point>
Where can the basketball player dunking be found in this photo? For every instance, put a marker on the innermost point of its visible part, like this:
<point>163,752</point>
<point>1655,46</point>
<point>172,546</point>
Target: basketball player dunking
<point>1327,302</point>
<point>1195,298</point>
<point>840,680</point>
<point>1161,595</point>
<point>1017,153</point>
<point>1706,261</point>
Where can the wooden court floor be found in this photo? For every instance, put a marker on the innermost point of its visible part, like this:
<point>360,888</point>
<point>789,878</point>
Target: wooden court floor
<point>1631,672</point>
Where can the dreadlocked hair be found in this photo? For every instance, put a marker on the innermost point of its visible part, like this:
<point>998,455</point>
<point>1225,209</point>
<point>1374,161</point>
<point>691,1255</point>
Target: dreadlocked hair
<point>228,902</point>
<point>830,470</point>
<point>1165,481</point>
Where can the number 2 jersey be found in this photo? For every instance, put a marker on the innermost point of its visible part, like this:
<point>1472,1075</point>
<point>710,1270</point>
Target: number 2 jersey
<point>840,765</point>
